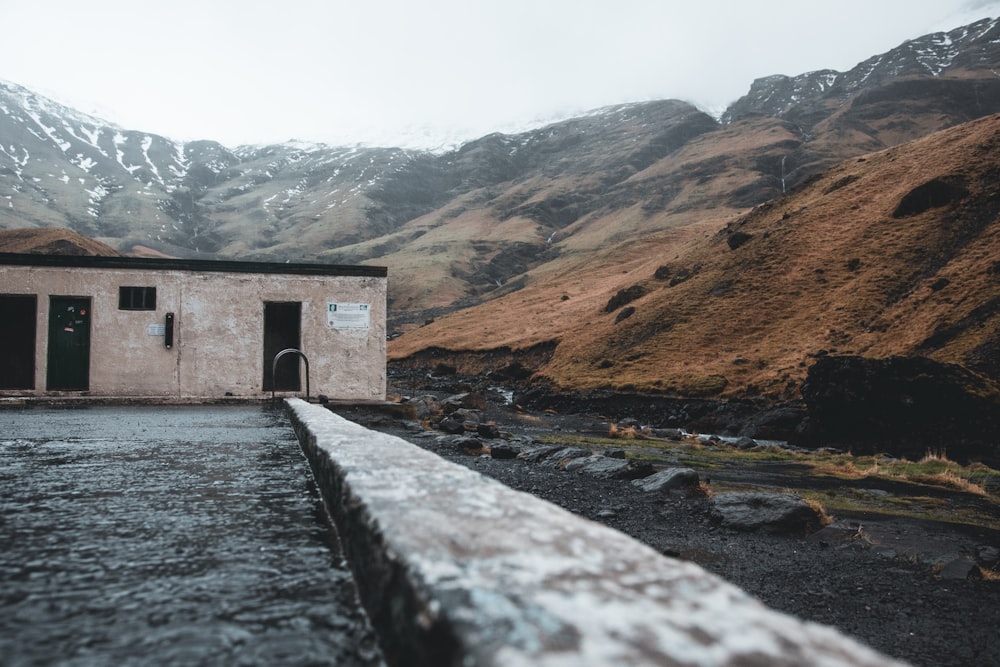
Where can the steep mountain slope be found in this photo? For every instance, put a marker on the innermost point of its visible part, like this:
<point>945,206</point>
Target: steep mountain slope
<point>62,168</point>
<point>892,253</point>
<point>923,85</point>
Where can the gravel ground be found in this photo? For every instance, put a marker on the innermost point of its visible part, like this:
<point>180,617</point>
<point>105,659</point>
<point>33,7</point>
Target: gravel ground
<point>877,578</point>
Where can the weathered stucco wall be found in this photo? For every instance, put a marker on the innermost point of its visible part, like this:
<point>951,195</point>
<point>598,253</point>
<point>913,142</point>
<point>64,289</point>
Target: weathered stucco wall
<point>218,331</point>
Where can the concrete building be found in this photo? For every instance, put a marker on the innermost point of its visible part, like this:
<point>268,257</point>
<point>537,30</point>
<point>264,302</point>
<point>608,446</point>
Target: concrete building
<point>189,329</point>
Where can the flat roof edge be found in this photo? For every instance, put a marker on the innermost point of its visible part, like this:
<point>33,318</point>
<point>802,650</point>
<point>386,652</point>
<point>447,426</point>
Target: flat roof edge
<point>203,265</point>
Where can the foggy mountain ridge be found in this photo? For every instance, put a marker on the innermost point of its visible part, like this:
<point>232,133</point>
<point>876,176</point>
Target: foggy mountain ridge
<point>61,167</point>
<point>972,47</point>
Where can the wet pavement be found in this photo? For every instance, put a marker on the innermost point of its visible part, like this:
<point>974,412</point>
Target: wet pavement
<point>168,535</point>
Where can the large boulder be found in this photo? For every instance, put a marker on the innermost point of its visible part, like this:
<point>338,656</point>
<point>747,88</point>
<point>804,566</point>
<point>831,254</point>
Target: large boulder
<point>901,405</point>
<point>606,467</point>
<point>667,480</point>
<point>561,456</point>
<point>781,513</point>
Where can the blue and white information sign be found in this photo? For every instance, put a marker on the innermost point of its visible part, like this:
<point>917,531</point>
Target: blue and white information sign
<point>348,315</point>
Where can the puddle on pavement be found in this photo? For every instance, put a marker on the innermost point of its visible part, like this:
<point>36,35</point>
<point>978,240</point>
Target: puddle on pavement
<point>168,536</point>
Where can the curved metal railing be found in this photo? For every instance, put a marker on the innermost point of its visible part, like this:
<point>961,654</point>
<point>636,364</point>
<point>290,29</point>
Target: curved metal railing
<point>274,365</point>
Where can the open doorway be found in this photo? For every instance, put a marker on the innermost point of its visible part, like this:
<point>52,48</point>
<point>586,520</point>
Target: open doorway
<point>282,330</point>
<point>18,317</point>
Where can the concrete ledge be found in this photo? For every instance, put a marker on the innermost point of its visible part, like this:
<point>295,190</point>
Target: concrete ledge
<point>457,569</point>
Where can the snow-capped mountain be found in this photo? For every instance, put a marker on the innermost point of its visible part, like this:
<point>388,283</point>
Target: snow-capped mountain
<point>61,167</point>
<point>464,223</point>
<point>972,49</point>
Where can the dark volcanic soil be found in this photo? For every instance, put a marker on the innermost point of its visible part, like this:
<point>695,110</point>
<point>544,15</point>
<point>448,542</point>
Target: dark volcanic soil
<point>899,585</point>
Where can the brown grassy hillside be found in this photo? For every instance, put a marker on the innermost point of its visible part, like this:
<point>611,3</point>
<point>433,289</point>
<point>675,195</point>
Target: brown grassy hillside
<point>895,252</point>
<point>51,241</point>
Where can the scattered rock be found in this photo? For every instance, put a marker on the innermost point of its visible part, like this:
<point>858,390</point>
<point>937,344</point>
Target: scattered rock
<point>469,401</point>
<point>488,431</point>
<point>667,480</point>
<point>465,445</point>
<point>578,463</point>
<point>736,239</point>
<point>425,406</point>
<point>564,454</point>
<point>538,454</point>
<point>467,415</point>
<point>682,275</point>
<point>623,297</point>
<point>608,468</point>
<point>503,450</point>
<point>452,424</point>
<point>988,556</point>
<point>959,569</point>
<point>783,513</point>
<point>625,313</point>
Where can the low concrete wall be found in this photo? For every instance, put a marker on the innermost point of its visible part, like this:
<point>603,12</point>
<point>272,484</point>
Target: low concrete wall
<point>457,569</point>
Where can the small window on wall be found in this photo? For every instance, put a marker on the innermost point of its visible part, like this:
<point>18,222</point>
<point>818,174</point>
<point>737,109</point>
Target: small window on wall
<point>136,298</point>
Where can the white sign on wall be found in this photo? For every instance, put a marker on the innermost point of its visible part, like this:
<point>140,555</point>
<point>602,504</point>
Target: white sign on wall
<point>348,315</point>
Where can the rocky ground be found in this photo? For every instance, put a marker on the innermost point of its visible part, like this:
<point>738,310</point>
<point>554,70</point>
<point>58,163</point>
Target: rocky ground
<point>919,590</point>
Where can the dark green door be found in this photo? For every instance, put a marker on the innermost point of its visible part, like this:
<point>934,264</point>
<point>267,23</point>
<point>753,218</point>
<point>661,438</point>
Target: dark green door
<point>69,344</point>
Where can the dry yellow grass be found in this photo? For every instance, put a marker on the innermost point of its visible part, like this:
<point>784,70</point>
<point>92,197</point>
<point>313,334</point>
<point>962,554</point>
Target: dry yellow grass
<point>934,469</point>
<point>49,240</point>
<point>824,518</point>
<point>948,480</point>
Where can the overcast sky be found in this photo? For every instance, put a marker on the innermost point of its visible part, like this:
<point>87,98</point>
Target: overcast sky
<point>419,72</point>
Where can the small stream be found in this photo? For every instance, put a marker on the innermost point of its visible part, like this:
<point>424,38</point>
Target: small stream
<point>168,536</point>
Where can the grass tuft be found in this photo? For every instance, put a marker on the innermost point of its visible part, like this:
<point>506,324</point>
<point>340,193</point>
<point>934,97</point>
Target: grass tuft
<point>949,480</point>
<point>700,490</point>
<point>824,518</point>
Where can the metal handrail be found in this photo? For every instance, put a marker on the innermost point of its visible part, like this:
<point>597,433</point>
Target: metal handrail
<point>274,365</point>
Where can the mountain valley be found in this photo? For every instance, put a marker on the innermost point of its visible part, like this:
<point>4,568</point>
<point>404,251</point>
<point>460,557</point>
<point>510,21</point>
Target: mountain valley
<point>646,247</point>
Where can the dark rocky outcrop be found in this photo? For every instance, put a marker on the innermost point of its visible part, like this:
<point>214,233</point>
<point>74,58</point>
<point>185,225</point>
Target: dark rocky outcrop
<point>625,313</point>
<point>624,296</point>
<point>932,194</point>
<point>737,238</point>
<point>905,406</point>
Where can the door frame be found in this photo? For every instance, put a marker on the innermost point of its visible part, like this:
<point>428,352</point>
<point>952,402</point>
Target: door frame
<point>59,372</point>
<point>282,322</point>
